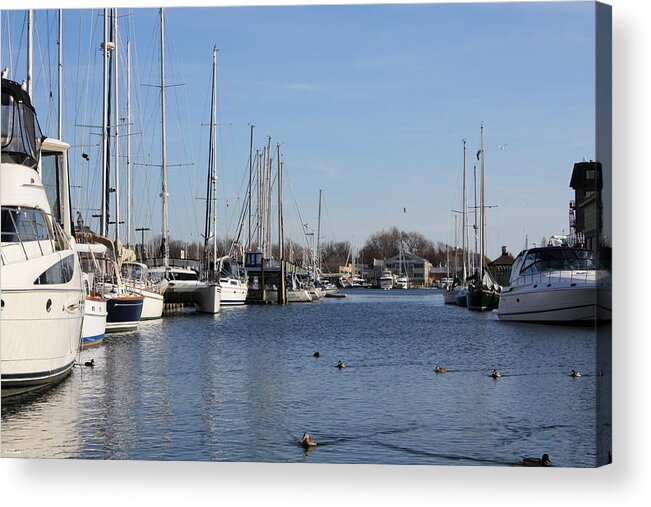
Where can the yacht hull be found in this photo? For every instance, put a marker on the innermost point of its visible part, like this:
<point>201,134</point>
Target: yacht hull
<point>568,304</point>
<point>38,346</point>
<point>233,294</point>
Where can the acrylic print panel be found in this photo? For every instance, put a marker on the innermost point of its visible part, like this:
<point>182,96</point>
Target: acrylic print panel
<point>371,234</point>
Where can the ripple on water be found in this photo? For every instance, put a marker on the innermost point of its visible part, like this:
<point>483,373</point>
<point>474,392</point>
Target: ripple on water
<point>244,386</point>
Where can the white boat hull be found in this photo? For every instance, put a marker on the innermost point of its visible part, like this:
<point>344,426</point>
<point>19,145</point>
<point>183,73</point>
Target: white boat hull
<point>94,326</point>
<point>39,346</point>
<point>233,294</point>
<point>209,300</point>
<point>563,304</point>
<point>298,296</point>
<point>152,305</point>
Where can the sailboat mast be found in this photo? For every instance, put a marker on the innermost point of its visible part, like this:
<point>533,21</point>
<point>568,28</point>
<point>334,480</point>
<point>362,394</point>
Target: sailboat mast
<point>318,235</point>
<point>213,139</point>
<point>116,120</point>
<point>464,225</point>
<point>105,191</point>
<point>129,193</point>
<point>482,213</point>
<point>165,226</point>
<point>474,187</point>
<point>30,51</point>
<point>250,181</point>
<point>60,76</point>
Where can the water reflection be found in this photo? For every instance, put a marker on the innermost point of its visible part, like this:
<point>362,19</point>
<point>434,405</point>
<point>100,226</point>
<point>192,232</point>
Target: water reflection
<point>244,386</point>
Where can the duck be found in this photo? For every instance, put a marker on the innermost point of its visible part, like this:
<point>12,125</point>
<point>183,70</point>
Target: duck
<point>90,363</point>
<point>496,374</point>
<point>537,462</point>
<point>341,365</point>
<point>308,441</point>
<point>440,369</point>
<point>575,373</point>
<point>317,354</point>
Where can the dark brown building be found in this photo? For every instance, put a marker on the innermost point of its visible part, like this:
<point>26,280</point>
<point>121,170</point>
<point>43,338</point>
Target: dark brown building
<point>586,208</point>
<point>500,268</point>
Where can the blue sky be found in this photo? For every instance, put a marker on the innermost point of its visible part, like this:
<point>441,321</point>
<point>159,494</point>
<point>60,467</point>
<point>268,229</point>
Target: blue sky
<point>370,103</point>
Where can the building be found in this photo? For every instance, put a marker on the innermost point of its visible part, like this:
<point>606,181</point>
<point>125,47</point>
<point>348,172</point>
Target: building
<point>586,208</point>
<point>417,268</point>
<point>500,268</point>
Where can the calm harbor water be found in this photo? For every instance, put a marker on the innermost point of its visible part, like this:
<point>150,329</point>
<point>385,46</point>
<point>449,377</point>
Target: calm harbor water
<point>244,386</point>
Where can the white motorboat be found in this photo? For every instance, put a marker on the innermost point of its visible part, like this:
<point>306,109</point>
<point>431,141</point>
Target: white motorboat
<point>42,291</point>
<point>402,282</point>
<point>555,284</point>
<point>386,280</point>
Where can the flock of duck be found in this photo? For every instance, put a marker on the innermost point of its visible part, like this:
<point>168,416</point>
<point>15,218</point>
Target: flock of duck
<point>307,442</point>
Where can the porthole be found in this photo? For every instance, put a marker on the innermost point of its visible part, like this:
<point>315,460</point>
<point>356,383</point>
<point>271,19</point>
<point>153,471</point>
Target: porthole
<point>3,304</point>
<point>48,305</point>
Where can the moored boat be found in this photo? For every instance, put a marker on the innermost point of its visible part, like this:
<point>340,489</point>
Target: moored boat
<point>42,292</point>
<point>555,284</point>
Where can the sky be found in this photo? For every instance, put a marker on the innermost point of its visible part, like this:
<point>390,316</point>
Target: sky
<point>370,103</point>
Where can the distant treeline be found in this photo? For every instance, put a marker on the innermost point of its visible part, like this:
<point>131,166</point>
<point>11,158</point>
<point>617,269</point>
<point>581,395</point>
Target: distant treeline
<point>379,245</point>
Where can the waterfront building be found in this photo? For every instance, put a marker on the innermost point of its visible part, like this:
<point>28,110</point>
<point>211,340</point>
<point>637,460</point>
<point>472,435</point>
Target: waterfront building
<point>500,268</point>
<point>417,268</point>
<point>587,207</point>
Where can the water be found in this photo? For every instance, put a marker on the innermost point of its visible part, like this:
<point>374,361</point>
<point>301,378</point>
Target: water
<point>244,386</point>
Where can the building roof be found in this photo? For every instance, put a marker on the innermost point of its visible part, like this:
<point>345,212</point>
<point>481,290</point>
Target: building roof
<point>506,259</point>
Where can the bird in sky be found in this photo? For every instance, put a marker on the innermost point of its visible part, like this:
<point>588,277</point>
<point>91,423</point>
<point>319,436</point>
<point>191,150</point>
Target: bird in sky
<point>404,210</point>
<point>501,146</point>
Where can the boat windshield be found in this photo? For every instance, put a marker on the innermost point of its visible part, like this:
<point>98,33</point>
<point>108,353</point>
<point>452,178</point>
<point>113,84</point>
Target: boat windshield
<point>556,259</point>
<point>21,133</point>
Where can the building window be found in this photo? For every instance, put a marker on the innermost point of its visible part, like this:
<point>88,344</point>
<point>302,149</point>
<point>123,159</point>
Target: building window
<point>589,174</point>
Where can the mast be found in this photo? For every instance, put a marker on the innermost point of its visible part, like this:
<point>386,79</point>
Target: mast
<point>250,181</point>
<point>474,186</point>
<point>210,228</point>
<point>318,236</point>
<point>281,229</point>
<point>60,76</point>
<point>464,225</point>
<point>129,194</point>
<point>105,191</point>
<point>30,51</point>
<point>213,139</point>
<point>482,214</point>
<point>116,120</point>
<point>164,195</point>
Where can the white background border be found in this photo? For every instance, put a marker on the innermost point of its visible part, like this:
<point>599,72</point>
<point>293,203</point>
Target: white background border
<point>625,482</point>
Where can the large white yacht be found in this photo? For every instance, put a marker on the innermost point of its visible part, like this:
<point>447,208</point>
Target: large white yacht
<point>42,292</point>
<point>555,284</point>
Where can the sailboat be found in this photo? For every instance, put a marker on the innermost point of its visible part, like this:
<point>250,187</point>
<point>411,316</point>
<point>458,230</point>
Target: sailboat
<point>483,290</point>
<point>184,286</point>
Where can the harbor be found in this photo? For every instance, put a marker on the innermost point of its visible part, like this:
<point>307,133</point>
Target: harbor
<point>235,296</point>
<point>244,386</point>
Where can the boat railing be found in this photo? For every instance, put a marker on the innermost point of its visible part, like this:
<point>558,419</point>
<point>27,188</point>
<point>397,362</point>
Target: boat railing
<point>569,276</point>
<point>31,237</point>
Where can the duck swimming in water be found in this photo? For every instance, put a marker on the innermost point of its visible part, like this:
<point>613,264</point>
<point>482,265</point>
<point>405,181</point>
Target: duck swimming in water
<point>90,363</point>
<point>341,365</point>
<point>496,374</point>
<point>575,373</point>
<point>308,441</point>
<point>537,462</point>
<point>317,354</point>
<point>440,369</point>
